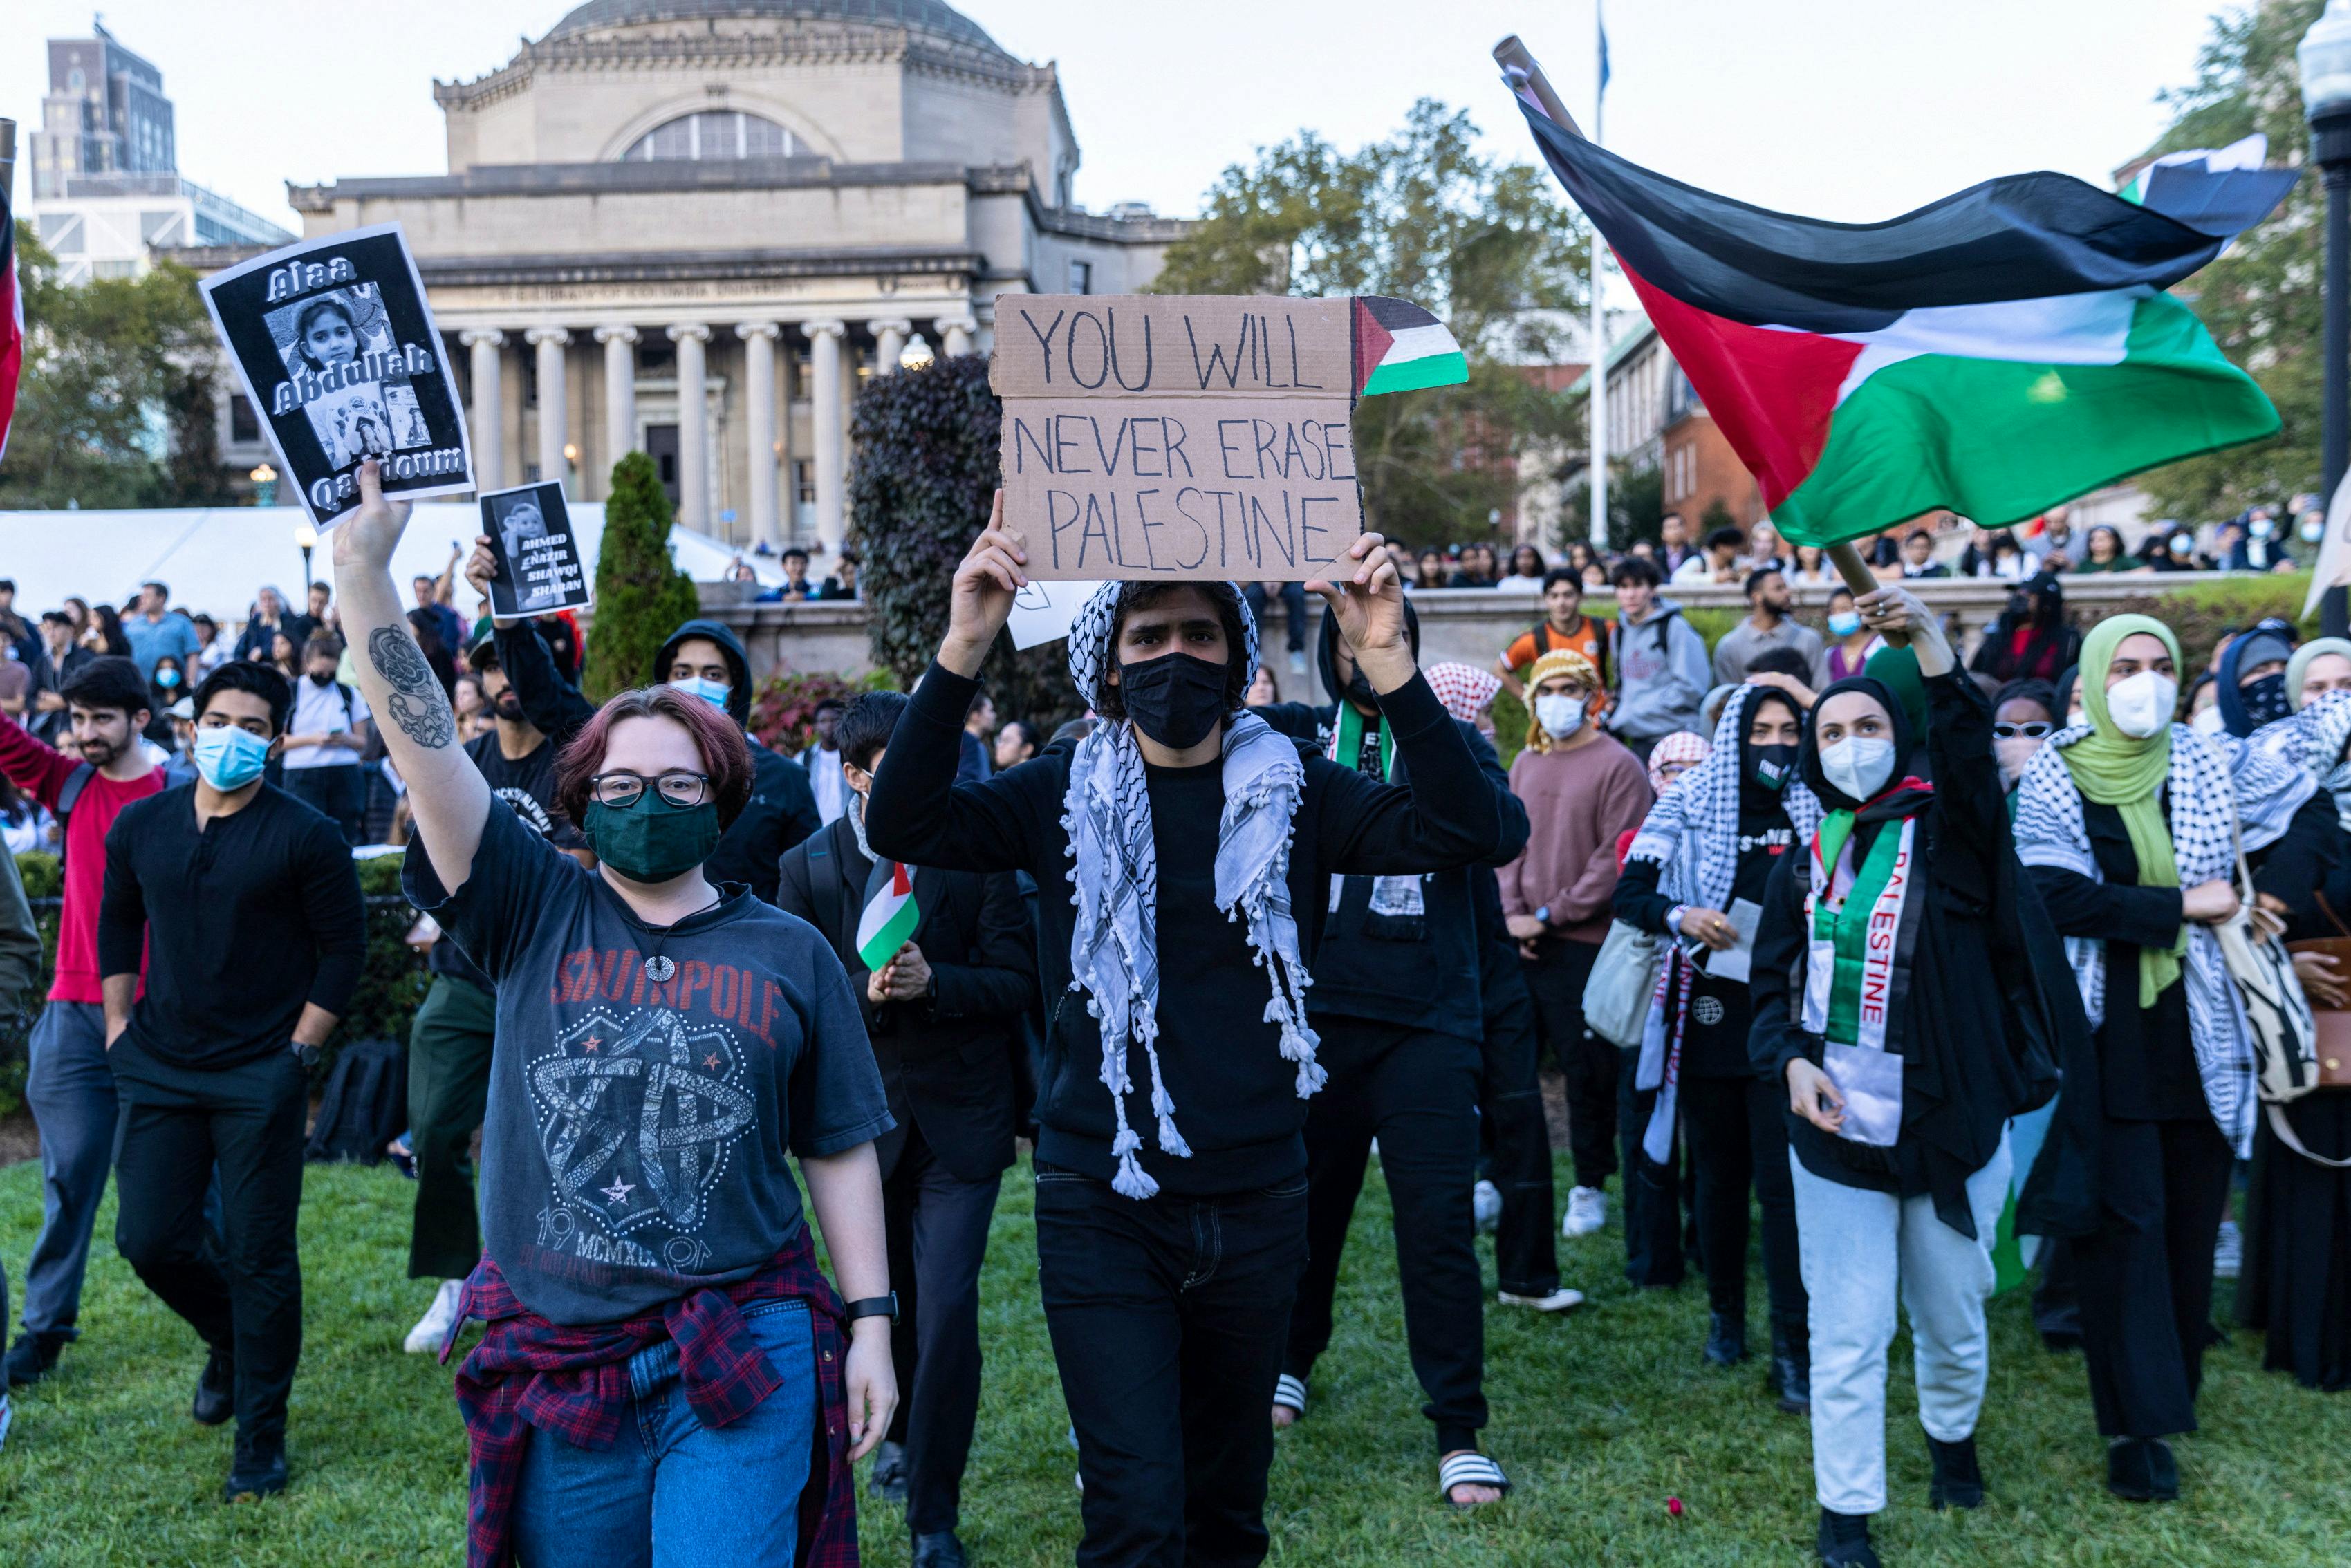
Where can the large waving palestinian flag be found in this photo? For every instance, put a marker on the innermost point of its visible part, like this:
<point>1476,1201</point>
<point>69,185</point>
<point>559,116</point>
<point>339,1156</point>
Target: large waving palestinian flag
<point>2000,352</point>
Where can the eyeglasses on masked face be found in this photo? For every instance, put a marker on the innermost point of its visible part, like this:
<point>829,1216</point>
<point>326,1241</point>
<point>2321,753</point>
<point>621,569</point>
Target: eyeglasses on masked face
<point>2032,729</point>
<point>622,790</point>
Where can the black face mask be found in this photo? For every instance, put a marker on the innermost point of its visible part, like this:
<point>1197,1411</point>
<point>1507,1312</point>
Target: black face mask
<point>1773,766</point>
<point>1176,699</point>
<point>2265,700</point>
<point>1359,690</point>
<point>328,679</point>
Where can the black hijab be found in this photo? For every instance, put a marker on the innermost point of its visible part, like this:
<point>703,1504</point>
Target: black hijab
<point>1754,796</point>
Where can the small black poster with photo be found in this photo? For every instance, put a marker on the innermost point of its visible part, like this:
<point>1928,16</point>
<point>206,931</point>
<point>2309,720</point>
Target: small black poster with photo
<point>539,569</point>
<point>336,346</point>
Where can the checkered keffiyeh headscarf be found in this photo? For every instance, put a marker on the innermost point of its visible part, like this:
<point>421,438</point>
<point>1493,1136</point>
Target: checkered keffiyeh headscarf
<point>1114,947</point>
<point>1574,666</point>
<point>1465,690</point>
<point>1685,749</point>
<point>1692,832</point>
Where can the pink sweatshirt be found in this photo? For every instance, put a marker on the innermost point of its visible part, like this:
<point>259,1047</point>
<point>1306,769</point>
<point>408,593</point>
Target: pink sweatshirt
<point>1578,803</point>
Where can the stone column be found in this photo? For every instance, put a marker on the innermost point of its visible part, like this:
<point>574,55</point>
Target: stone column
<point>954,334</point>
<point>760,421</point>
<point>891,340</point>
<point>487,427</point>
<point>826,405</point>
<point>554,405</point>
<point>620,394</point>
<point>692,427</point>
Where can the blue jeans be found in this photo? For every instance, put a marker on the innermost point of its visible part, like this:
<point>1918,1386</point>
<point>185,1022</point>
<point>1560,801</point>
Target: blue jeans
<point>671,1492</point>
<point>70,1088</point>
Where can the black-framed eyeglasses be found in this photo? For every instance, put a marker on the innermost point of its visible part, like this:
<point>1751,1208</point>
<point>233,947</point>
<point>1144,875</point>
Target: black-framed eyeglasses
<point>2033,729</point>
<point>624,790</point>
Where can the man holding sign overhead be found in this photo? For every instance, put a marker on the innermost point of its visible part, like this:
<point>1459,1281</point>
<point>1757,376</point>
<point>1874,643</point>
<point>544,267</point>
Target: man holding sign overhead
<point>1198,846</point>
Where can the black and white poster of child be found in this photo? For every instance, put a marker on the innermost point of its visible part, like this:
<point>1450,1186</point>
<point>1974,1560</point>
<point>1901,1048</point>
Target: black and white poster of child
<point>334,343</point>
<point>539,569</point>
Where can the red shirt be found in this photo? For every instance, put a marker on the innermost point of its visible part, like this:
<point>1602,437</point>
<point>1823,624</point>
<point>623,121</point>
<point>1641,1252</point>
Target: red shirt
<point>40,771</point>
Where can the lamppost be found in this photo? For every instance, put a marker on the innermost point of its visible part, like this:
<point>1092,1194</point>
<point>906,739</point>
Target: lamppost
<point>307,538</point>
<point>916,355</point>
<point>2326,61</point>
<point>264,486</point>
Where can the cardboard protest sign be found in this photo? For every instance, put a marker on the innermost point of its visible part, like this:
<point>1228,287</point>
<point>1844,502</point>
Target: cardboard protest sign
<point>1191,436</point>
<point>336,346</point>
<point>539,561</point>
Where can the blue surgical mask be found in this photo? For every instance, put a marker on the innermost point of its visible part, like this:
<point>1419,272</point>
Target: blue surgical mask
<point>712,692</point>
<point>167,677</point>
<point>1845,623</point>
<point>229,757</point>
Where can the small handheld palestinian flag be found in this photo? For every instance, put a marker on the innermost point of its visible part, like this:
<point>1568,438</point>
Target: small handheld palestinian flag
<point>891,914</point>
<point>1399,347</point>
<point>1997,353</point>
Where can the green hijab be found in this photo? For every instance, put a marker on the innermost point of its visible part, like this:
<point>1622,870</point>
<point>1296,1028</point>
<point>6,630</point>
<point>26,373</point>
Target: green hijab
<point>2127,773</point>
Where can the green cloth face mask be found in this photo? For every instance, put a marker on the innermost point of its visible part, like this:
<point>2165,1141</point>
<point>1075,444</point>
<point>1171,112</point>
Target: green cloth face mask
<point>650,839</point>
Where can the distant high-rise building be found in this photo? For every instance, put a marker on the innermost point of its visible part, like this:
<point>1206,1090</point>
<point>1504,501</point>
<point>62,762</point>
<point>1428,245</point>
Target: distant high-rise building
<point>106,186</point>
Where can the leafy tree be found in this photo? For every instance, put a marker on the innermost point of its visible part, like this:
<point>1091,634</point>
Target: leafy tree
<point>1489,248</point>
<point>927,466</point>
<point>115,406</point>
<point>1637,506</point>
<point>2262,301</point>
<point>641,595</point>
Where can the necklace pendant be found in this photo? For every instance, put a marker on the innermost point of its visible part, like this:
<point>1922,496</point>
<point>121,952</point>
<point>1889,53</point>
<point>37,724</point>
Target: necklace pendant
<point>660,968</point>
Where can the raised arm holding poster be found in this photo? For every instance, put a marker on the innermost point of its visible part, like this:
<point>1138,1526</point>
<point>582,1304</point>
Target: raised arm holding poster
<point>337,348</point>
<point>1190,437</point>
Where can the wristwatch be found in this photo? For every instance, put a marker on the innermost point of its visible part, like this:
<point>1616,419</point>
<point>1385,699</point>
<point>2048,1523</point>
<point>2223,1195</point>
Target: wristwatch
<point>874,1307</point>
<point>1544,915</point>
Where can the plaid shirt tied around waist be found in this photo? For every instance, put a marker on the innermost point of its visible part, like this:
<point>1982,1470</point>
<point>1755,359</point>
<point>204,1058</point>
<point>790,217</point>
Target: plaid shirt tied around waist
<point>574,1382</point>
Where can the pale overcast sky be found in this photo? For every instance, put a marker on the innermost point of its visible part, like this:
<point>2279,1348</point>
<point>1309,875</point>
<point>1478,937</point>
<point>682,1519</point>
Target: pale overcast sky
<point>1852,109</point>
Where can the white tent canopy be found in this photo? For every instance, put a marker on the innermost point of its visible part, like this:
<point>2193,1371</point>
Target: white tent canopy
<point>214,559</point>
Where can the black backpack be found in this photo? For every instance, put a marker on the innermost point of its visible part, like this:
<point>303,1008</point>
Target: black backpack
<point>365,1106</point>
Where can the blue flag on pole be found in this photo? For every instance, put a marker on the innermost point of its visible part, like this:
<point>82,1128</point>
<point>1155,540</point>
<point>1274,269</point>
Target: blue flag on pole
<point>1603,20</point>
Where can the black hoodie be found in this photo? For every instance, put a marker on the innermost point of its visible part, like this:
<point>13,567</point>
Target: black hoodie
<point>782,809</point>
<point>1421,972</point>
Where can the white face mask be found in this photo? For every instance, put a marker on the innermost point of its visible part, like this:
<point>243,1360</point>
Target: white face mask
<point>2143,703</point>
<point>1859,767</point>
<point>2207,722</point>
<point>1560,715</point>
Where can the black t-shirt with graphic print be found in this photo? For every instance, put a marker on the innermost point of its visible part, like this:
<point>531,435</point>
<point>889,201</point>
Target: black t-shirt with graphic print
<point>634,1148</point>
<point>525,783</point>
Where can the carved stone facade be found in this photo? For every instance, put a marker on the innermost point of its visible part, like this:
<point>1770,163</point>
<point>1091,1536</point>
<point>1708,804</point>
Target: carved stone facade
<point>692,227</point>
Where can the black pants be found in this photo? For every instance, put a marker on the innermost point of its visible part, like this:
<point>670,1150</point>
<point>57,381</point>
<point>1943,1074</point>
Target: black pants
<point>1653,1193</point>
<point>1738,1133</point>
<point>937,1225</point>
<point>448,1094</point>
<point>1416,1091</point>
<point>1167,1316</point>
<point>2145,1273</point>
<point>244,1296</point>
<point>1293,613</point>
<point>1511,1112</point>
<point>338,792</point>
<point>1556,974</point>
<point>2057,1298</point>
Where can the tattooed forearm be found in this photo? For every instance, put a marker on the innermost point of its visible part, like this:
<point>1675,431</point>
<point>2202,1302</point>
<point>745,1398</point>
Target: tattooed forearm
<point>417,704</point>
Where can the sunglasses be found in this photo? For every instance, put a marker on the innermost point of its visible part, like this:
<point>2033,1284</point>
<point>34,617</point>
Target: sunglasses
<point>2037,729</point>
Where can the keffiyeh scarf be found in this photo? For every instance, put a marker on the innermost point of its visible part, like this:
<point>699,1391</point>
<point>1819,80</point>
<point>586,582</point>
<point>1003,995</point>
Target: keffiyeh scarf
<point>2266,789</point>
<point>1114,947</point>
<point>1465,690</point>
<point>2313,740</point>
<point>1691,834</point>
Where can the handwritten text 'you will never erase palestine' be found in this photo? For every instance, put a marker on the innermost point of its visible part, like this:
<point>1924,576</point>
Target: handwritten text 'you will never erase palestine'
<point>1177,437</point>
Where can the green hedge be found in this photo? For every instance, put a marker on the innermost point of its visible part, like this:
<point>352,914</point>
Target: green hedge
<point>391,987</point>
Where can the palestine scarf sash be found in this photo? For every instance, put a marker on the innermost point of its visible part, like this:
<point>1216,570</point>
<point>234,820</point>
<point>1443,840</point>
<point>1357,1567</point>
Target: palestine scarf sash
<point>1855,929</point>
<point>890,916</point>
<point>1398,910</point>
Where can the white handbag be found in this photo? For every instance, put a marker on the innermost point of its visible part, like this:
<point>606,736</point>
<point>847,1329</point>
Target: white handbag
<point>1624,978</point>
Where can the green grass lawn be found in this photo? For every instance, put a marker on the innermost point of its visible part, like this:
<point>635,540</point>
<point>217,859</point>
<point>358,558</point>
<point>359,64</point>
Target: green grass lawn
<point>1599,1417</point>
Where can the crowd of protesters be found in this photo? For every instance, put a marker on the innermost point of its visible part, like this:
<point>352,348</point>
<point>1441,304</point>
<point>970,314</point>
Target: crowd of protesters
<point>1742,898</point>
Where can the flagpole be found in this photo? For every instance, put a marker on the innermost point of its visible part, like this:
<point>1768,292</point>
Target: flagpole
<point>1598,397</point>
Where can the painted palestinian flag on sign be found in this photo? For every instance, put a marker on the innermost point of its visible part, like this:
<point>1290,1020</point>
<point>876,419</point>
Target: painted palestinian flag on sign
<point>1997,353</point>
<point>891,914</point>
<point>12,320</point>
<point>1399,347</point>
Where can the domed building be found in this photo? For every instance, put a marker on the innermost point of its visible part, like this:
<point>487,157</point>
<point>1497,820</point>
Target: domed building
<point>765,200</point>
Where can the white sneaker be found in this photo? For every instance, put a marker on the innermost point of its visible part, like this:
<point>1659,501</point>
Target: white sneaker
<point>431,1329</point>
<point>5,1416</point>
<point>1486,1203</point>
<point>1559,1300</point>
<point>1587,1211</point>
<point>2229,1251</point>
